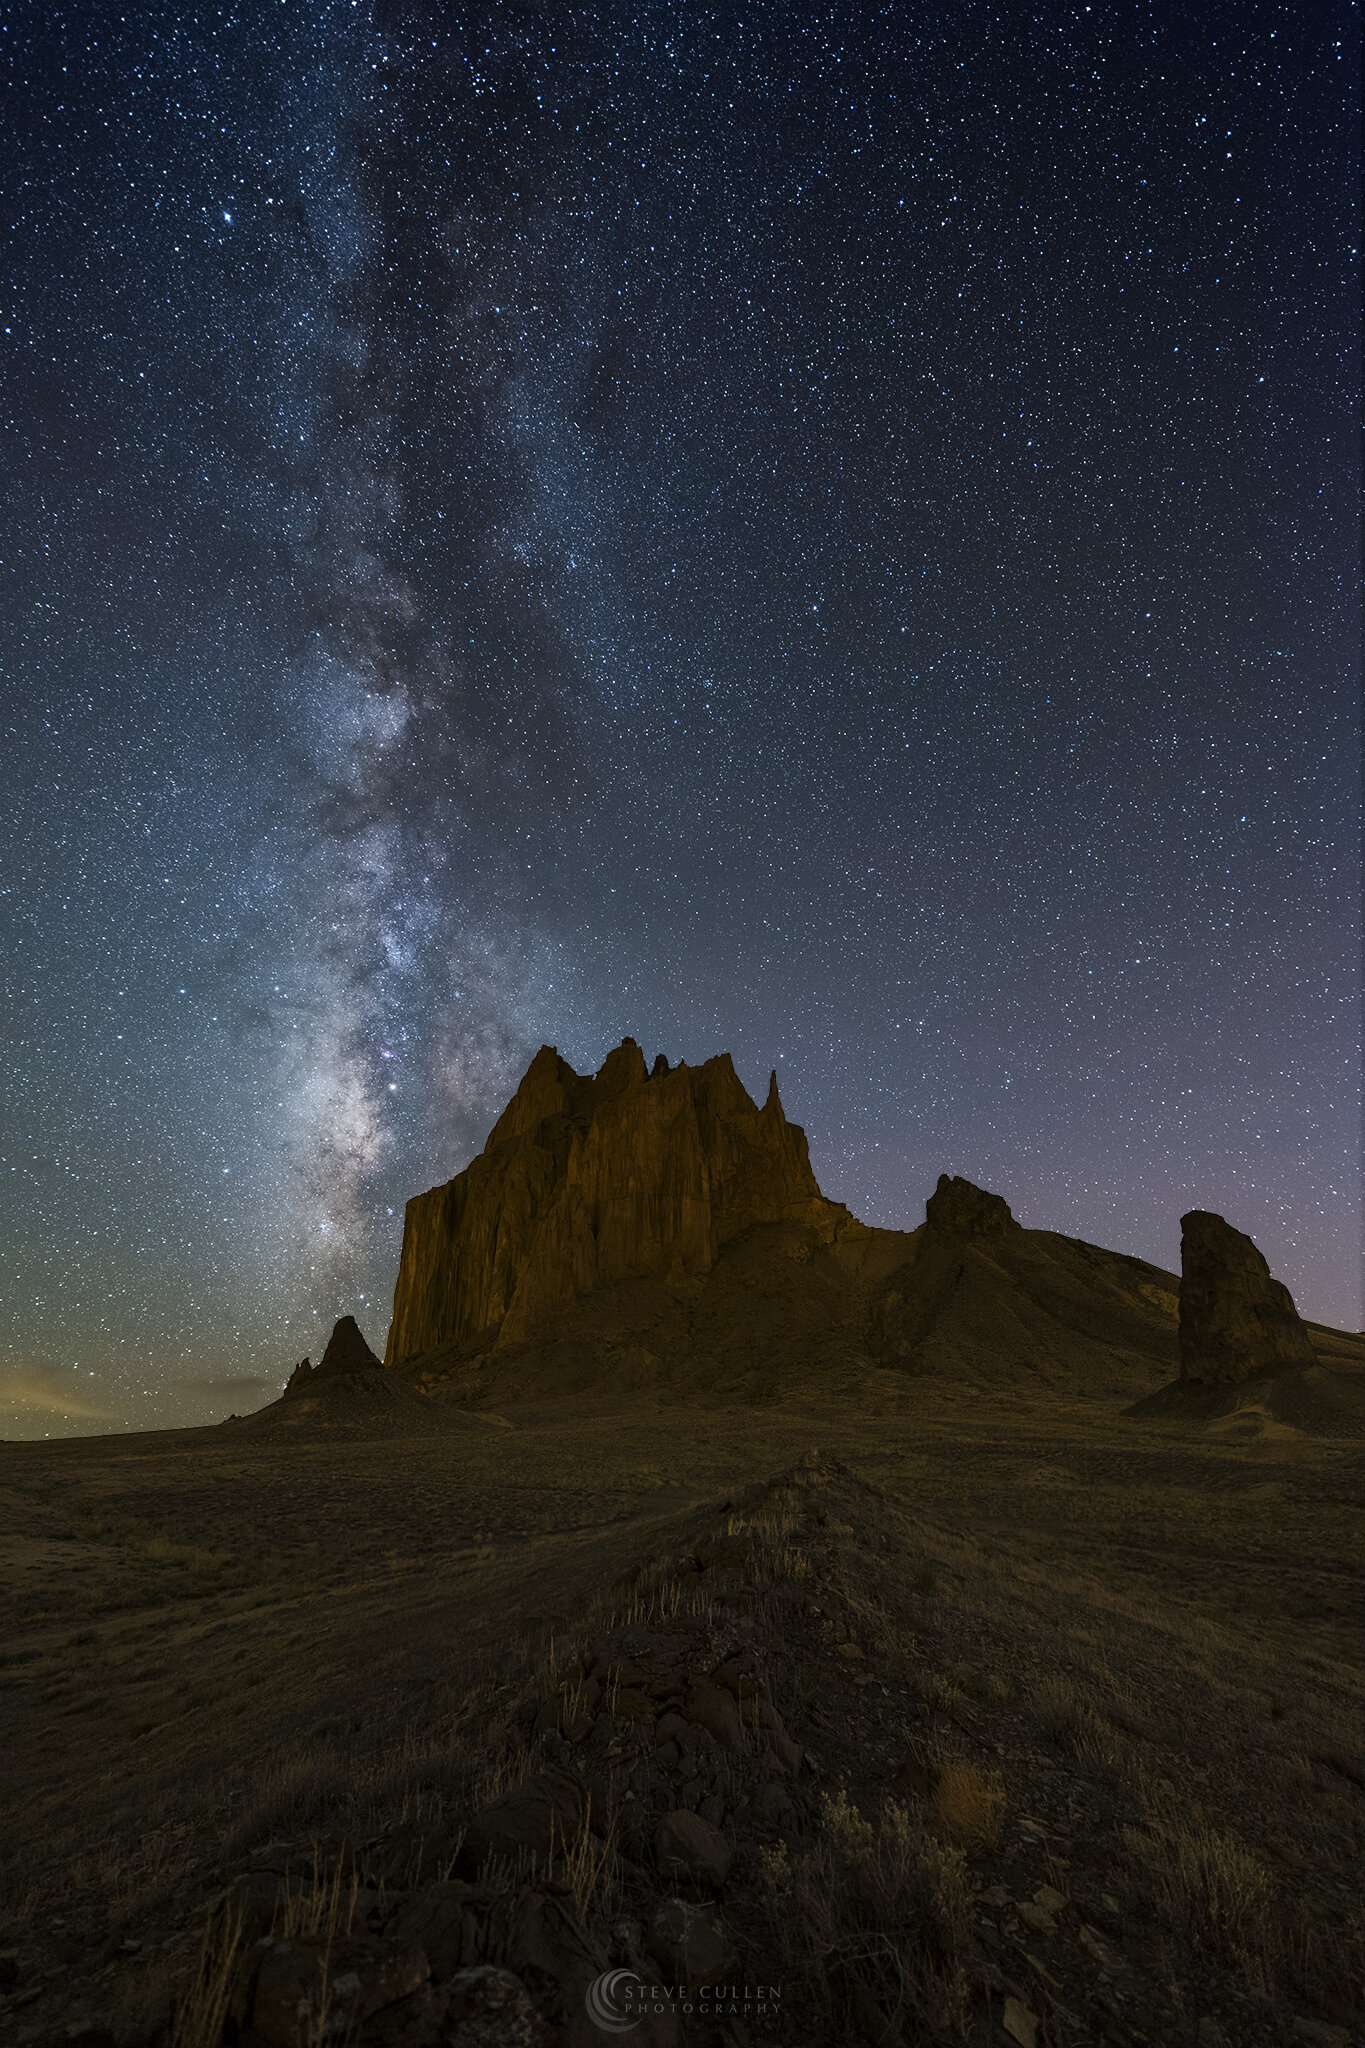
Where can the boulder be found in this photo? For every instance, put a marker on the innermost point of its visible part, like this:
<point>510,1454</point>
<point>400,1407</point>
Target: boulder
<point>689,1944</point>
<point>958,1209</point>
<point>690,1847</point>
<point>543,1815</point>
<point>1236,1322</point>
<point>446,1921</point>
<point>586,1180</point>
<point>713,1708</point>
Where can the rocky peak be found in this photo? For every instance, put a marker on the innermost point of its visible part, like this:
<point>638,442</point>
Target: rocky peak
<point>346,1353</point>
<point>1236,1322</point>
<point>347,1350</point>
<point>590,1179</point>
<point>621,1070</point>
<point>958,1207</point>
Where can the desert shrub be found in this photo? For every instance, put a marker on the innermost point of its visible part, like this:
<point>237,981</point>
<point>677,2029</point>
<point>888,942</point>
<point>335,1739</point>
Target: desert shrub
<point>877,1912</point>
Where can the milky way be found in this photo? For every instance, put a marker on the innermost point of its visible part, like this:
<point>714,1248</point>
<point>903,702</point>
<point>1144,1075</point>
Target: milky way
<point>827,533</point>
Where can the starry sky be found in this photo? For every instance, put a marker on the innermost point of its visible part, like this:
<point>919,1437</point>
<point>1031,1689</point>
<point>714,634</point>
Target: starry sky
<point>826,532</point>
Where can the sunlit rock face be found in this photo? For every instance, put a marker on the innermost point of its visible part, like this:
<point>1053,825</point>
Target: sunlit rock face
<point>1236,1322</point>
<point>590,1179</point>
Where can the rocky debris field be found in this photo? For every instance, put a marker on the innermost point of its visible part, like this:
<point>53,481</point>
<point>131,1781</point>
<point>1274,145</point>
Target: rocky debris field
<point>800,1784</point>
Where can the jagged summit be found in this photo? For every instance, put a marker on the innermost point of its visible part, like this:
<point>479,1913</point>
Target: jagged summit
<point>590,1179</point>
<point>958,1208</point>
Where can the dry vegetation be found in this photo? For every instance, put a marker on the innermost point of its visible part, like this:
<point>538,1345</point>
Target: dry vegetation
<point>1074,1707</point>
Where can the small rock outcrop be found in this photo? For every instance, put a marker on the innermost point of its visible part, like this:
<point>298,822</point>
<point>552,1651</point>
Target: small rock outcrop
<point>1236,1322</point>
<point>347,1353</point>
<point>958,1208</point>
<point>590,1179</point>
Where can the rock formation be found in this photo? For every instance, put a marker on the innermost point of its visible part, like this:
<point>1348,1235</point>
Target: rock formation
<point>966,1211</point>
<point>347,1352</point>
<point>586,1180</point>
<point>1236,1322</point>
<point>347,1393</point>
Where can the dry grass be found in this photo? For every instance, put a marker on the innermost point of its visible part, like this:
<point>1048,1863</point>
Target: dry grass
<point>969,1806</point>
<point>201,2011</point>
<point>1209,1888</point>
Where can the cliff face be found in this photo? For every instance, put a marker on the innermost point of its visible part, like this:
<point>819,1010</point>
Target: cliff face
<point>590,1179</point>
<point>1235,1320</point>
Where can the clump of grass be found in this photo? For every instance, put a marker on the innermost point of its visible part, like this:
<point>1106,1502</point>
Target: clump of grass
<point>1208,1887</point>
<point>969,1805</point>
<point>589,1867</point>
<point>877,1912</point>
<point>1056,1707</point>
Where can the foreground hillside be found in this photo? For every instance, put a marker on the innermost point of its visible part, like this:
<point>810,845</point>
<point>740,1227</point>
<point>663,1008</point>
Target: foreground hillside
<point>1038,1718</point>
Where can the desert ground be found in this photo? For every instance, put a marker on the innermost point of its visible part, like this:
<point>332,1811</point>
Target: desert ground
<point>1070,1707</point>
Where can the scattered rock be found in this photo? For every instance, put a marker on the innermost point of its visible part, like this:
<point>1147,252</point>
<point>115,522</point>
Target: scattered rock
<point>1049,1898</point>
<point>1036,1918</point>
<point>1019,2023</point>
<point>1317,2034</point>
<point>689,1943</point>
<point>850,1653</point>
<point>629,1705</point>
<point>713,1708</point>
<point>490,2008</point>
<point>290,1992</point>
<point>688,1846</point>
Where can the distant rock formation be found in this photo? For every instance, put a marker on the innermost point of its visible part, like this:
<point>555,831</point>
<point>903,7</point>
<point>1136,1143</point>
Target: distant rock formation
<point>347,1352</point>
<point>587,1180</point>
<point>966,1211</point>
<point>347,1394</point>
<point>1236,1322</point>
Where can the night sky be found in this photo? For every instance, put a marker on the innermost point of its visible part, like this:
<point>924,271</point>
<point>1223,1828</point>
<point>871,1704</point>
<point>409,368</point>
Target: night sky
<point>822,532</point>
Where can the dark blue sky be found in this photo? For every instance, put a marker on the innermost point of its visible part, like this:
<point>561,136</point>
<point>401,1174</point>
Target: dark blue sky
<point>827,533</point>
